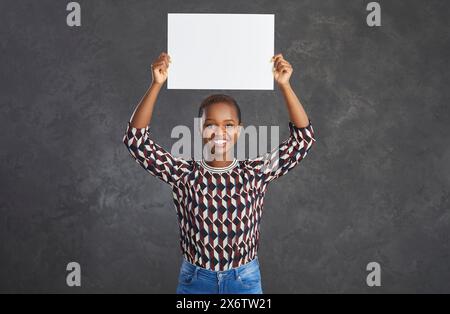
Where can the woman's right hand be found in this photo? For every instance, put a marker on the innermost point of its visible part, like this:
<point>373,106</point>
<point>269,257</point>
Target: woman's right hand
<point>160,68</point>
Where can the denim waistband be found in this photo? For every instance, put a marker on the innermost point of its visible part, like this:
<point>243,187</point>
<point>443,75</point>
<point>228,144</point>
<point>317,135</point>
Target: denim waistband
<point>221,274</point>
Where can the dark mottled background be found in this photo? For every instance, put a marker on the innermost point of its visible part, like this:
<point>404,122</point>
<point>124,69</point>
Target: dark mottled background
<point>374,188</point>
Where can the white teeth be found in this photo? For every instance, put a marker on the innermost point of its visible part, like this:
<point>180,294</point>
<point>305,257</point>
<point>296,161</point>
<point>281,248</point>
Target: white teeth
<point>219,142</point>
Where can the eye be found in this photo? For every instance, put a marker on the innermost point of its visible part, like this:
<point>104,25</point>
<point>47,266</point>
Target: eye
<point>229,126</point>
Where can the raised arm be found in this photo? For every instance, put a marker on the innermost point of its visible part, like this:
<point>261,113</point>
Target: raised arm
<point>292,150</point>
<point>151,156</point>
<point>142,115</point>
<point>282,73</point>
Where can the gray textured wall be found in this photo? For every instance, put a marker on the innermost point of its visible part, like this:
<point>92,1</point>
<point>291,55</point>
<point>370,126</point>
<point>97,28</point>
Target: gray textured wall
<point>374,188</point>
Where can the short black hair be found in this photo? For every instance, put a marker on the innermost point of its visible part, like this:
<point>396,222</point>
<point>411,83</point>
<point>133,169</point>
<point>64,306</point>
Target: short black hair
<point>216,98</point>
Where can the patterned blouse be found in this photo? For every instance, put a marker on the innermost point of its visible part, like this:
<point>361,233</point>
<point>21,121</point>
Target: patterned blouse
<point>219,209</point>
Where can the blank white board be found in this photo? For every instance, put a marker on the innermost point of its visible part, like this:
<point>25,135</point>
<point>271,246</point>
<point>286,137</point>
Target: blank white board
<point>220,51</point>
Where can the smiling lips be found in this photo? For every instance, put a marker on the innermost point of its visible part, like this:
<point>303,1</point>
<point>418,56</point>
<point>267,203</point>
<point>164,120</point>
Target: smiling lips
<point>220,142</point>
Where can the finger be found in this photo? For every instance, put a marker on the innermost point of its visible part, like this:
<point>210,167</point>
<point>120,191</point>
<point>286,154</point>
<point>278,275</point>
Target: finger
<point>163,56</point>
<point>277,56</point>
<point>283,68</point>
<point>280,65</point>
<point>283,62</point>
<point>280,60</point>
<point>286,69</point>
<point>288,66</point>
<point>157,62</point>
<point>164,59</point>
<point>164,62</point>
<point>275,62</point>
<point>158,65</point>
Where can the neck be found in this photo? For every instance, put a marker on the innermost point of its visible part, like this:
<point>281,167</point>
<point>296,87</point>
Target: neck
<point>219,163</point>
<point>223,162</point>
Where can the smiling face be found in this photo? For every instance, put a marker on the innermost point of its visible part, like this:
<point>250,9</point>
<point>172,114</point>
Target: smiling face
<point>220,129</point>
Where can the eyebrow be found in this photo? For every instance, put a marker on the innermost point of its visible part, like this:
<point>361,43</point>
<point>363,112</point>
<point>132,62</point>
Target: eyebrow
<point>223,120</point>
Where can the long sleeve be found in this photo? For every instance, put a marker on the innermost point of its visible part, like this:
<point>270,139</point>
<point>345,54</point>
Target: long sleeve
<point>152,157</point>
<point>287,155</point>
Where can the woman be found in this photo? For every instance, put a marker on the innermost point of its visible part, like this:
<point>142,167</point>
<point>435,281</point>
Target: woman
<point>219,200</point>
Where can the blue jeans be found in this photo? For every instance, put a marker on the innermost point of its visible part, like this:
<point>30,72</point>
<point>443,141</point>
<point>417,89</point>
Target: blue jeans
<point>243,279</point>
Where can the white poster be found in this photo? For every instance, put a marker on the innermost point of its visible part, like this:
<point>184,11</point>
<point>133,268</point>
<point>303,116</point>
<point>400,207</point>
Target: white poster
<point>220,51</point>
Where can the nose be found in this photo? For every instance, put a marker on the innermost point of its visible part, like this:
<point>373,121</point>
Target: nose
<point>220,132</point>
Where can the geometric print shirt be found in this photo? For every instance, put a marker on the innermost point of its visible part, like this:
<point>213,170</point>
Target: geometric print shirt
<point>219,210</point>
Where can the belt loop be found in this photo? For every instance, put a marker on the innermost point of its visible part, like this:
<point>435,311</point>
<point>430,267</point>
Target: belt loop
<point>196,271</point>
<point>236,274</point>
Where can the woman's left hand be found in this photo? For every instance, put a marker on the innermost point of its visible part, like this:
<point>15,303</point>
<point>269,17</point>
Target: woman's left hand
<point>282,69</point>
